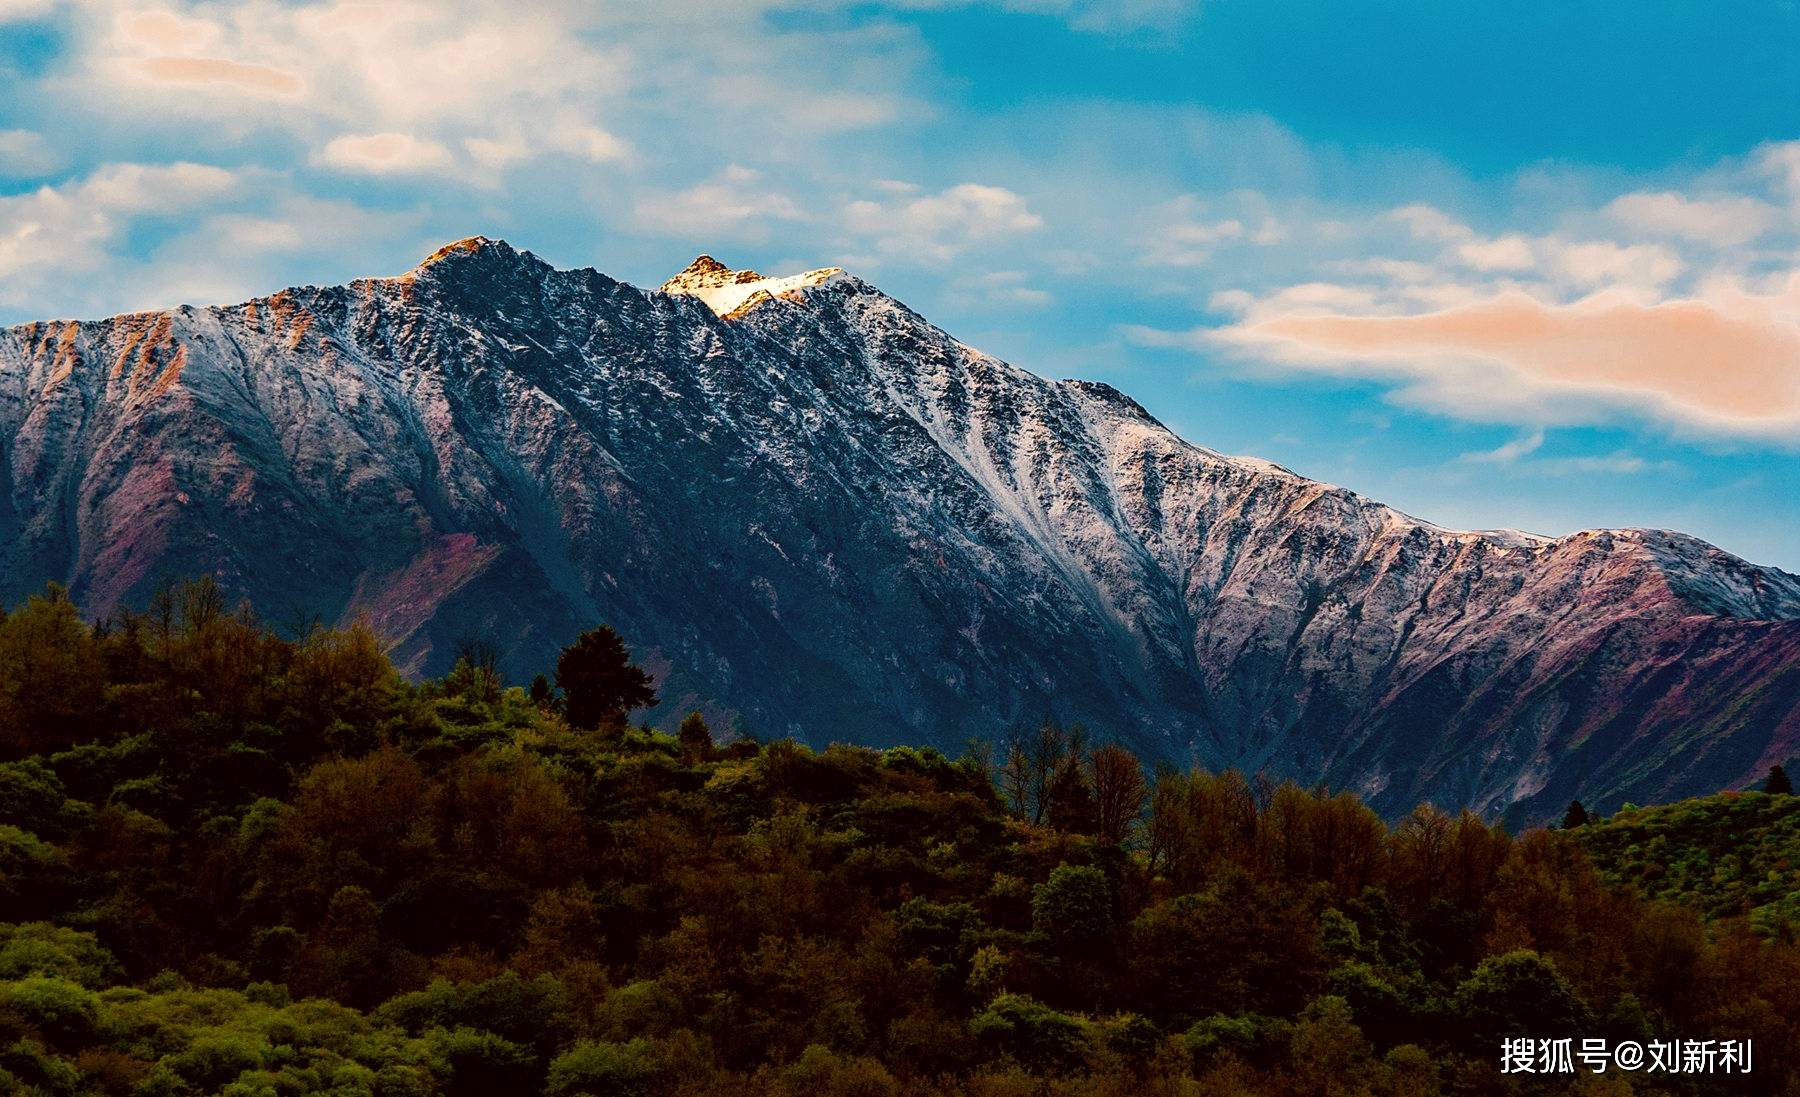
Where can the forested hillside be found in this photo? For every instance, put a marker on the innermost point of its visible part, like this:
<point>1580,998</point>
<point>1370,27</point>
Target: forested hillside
<point>236,863</point>
<point>1736,854</point>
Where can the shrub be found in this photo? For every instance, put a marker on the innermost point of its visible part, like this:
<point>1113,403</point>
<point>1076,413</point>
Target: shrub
<point>481,1063</point>
<point>1074,908</point>
<point>65,1013</point>
<point>1520,994</point>
<point>39,948</point>
<point>1024,1029</point>
<point>821,1072</point>
<point>1251,1037</point>
<point>605,1070</point>
<point>30,869</point>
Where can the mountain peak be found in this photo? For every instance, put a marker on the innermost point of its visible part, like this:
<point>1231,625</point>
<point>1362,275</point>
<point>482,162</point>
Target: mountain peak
<point>727,291</point>
<point>705,267</point>
<point>706,273</point>
<point>479,267</point>
<point>468,245</point>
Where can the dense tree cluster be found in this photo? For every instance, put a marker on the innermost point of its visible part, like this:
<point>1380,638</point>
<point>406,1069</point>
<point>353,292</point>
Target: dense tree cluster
<point>1730,856</point>
<point>237,864</point>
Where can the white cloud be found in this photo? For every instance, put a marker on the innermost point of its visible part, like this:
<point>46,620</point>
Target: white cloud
<point>1617,463</point>
<point>260,233</point>
<point>1596,264</point>
<point>1644,304</point>
<point>1504,253</point>
<point>1781,160</point>
<point>233,76</point>
<point>497,152</point>
<point>140,188</point>
<point>12,11</point>
<point>1518,457</point>
<point>590,142</point>
<point>400,66</point>
<point>938,227</point>
<point>832,110</point>
<point>734,205</point>
<point>1511,451</point>
<point>1189,230</point>
<point>384,154</point>
<point>25,152</point>
<point>1006,288</point>
<point>1430,223</point>
<point>52,232</point>
<point>1720,221</point>
<point>1389,270</point>
<point>1090,16</point>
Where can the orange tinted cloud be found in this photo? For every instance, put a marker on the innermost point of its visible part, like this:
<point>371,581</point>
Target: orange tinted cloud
<point>384,154</point>
<point>1729,362</point>
<point>215,70</point>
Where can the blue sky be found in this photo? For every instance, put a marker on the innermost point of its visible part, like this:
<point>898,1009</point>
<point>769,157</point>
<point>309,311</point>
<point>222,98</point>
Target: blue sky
<point>1527,265</point>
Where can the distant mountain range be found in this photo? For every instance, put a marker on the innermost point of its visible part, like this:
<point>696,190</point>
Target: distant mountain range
<point>812,513</point>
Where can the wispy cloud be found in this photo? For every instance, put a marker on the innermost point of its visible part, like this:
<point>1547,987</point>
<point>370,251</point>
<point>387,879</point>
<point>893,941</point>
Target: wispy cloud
<point>1509,452</point>
<point>13,10</point>
<point>737,204</point>
<point>260,79</point>
<point>1724,221</point>
<point>26,153</point>
<point>384,154</point>
<point>940,226</point>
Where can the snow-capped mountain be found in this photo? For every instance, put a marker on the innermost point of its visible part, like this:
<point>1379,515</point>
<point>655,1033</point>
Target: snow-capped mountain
<point>813,513</point>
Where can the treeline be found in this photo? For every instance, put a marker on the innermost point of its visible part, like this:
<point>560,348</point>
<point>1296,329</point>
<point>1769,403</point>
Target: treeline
<point>233,863</point>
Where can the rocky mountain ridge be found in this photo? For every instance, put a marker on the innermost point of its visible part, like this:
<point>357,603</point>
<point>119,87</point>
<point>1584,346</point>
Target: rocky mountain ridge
<point>817,514</point>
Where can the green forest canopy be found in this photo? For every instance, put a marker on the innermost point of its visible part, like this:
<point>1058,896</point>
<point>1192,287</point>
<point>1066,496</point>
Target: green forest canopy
<point>232,863</point>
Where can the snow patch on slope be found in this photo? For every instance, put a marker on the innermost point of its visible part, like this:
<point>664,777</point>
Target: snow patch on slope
<point>725,290</point>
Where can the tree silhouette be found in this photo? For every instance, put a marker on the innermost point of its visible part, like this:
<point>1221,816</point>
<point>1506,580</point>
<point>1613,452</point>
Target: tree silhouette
<point>695,737</point>
<point>599,682</point>
<point>540,691</point>
<point>1072,800</point>
<point>1119,791</point>
<point>1778,783</point>
<point>1576,816</point>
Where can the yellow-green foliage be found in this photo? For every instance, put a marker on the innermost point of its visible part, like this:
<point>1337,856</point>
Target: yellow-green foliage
<point>1735,854</point>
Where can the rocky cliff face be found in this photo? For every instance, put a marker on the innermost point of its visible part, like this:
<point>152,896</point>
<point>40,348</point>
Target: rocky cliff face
<point>814,513</point>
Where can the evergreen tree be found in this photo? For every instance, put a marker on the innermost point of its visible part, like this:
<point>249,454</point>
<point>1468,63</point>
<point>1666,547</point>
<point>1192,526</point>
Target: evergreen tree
<point>51,675</point>
<point>600,684</point>
<point>695,737</point>
<point>1072,800</point>
<point>540,691</point>
<point>1778,783</point>
<point>1576,816</point>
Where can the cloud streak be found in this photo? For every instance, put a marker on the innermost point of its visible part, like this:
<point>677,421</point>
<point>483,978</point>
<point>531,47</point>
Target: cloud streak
<point>1729,363</point>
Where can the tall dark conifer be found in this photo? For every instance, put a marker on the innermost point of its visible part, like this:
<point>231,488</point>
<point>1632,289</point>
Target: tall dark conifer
<point>1072,800</point>
<point>600,684</point>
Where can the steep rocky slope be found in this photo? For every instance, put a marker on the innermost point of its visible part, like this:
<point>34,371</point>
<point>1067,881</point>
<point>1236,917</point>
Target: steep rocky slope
<point>817,514</point>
